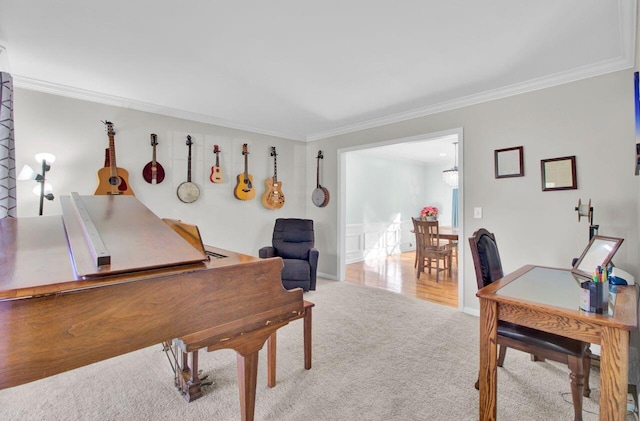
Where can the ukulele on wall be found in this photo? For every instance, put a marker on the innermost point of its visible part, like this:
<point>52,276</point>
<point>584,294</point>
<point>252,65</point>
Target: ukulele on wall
<point>216,171</point>
<point>188,192</point>
<point>112,180</point>
<point>320,195</point>
<point>273,198</point>
<point>244,189</point>
<point>153,173</point>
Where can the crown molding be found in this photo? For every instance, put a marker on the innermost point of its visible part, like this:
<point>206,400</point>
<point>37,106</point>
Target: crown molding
<point>610,66</point>
<point>117,101</point>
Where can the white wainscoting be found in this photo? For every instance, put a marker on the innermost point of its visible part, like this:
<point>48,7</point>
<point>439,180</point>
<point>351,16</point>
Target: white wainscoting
<point>380,239</point>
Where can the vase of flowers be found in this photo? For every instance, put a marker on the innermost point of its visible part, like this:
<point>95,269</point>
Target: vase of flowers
<point>429,213</point>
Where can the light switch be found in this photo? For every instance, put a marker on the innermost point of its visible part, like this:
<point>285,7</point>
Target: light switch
<point>477,213</point>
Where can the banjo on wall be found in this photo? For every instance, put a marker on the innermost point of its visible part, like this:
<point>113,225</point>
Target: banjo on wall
<point>188,192</point>
<point>320,195</point>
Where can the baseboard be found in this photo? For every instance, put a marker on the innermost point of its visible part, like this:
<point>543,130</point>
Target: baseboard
<point>471,311</point>
<point>326,276</point>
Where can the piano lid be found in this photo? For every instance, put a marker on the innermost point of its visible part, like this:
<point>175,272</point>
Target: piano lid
<point>121,226</point>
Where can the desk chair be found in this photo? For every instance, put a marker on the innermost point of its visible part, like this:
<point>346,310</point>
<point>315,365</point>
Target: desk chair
<point>540,344</point>
<point>428,248</point>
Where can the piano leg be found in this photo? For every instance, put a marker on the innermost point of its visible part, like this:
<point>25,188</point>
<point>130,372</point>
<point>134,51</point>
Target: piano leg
<point>271,359</point>
<point>247,376</point>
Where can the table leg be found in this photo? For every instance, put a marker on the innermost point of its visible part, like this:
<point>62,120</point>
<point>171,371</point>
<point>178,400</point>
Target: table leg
<point>247,376</point>
<point>488,359</point>
<point>614,365</point>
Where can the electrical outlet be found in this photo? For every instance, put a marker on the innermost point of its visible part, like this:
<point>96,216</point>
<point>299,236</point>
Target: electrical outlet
<point>477,213</point>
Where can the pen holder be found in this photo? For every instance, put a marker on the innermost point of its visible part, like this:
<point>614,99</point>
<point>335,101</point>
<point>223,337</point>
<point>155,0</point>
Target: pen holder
<point>595,297</point>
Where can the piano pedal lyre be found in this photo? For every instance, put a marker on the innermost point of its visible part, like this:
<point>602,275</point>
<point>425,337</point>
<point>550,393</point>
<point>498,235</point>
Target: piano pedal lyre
<point>186,375</point>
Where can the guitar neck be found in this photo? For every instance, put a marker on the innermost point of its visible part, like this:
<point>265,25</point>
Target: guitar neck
<point>112,155</point>
<point>275,171</point>
<point>189,165</point>
<point>246,168</point>
<point>217,159</point>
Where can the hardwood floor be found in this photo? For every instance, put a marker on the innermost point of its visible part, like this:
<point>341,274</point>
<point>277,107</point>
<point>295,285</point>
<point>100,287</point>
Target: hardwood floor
<point>396,273</point>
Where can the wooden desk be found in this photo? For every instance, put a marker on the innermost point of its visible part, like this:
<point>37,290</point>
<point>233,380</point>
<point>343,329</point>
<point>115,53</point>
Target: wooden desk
<point>548,299</point>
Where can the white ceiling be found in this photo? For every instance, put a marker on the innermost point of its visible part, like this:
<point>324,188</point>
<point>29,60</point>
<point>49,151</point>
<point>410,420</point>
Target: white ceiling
<point>305,69</point>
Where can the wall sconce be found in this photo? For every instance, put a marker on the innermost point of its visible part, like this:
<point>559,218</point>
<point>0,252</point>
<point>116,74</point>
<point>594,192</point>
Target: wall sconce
<point>44,190</point>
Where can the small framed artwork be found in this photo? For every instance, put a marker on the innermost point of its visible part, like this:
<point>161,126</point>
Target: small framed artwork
<point>509,162</point>
<point>559,173</point>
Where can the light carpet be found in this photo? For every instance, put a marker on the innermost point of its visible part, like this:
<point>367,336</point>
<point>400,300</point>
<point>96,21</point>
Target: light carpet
<point>377,355</point>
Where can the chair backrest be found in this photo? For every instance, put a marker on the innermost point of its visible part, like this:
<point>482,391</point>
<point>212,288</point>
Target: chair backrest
<point>427,233</point>
<point>486,259</point>
<point>293,238</point>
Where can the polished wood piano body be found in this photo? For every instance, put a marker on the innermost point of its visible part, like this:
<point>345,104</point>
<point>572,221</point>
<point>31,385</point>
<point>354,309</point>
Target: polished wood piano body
<point>53,319</point>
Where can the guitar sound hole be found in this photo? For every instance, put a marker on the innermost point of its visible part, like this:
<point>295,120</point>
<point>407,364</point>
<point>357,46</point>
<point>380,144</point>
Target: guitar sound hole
<point>114,181</point>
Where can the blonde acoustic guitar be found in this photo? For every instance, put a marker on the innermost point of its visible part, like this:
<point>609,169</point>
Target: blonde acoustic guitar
<point>244,189</point>
<point>112,180</point>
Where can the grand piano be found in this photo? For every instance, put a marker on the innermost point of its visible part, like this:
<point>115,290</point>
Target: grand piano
<point>109,277</point>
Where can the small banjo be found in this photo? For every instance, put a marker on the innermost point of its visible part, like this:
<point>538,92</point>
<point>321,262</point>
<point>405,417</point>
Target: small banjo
<point>188,192</point>
<point>320,195</point>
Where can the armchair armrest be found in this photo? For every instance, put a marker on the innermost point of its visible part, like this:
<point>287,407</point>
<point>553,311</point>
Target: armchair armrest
<point>313,262</point>
<point>265,252</point>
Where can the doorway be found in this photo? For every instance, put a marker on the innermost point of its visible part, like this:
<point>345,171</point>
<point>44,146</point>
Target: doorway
<point>376,178</point>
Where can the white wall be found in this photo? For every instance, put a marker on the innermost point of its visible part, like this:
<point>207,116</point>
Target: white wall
<point>378,189</point>
<point>72,130</point>
<point>592,119</point>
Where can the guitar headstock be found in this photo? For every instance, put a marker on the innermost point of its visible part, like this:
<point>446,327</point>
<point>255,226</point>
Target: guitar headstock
<point>216,149</point>
<point>154,139</point>
<point>245,150</point>
<point>189,142</point>
<point>273,151</point>
<point>320,156</point>
<point>109,127</point>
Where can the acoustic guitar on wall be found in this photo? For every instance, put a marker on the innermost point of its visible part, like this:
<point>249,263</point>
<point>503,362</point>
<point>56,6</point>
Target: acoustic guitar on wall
<point>153,173</point>
<point>273,198</point>
<point>244,189</point>
<point>216,171</point>
<point>112,180</point>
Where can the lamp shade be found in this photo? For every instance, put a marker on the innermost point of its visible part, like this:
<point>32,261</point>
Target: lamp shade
<point>451,177</point>
<point>49,158</point>
<point>48,189</point>
<point>27,173</point>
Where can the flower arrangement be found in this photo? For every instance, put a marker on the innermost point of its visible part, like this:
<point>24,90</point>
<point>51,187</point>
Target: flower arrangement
<point>429,211</point>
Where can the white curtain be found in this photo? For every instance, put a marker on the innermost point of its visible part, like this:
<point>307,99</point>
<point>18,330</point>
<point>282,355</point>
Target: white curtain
<point>7,149</point>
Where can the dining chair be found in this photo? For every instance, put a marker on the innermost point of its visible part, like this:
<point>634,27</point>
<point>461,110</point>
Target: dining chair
<point>429,250</point>
<point>540,344</point>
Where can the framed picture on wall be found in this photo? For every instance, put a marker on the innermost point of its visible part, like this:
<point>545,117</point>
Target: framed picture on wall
<point>559,173</point>
<point>509,162</point>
